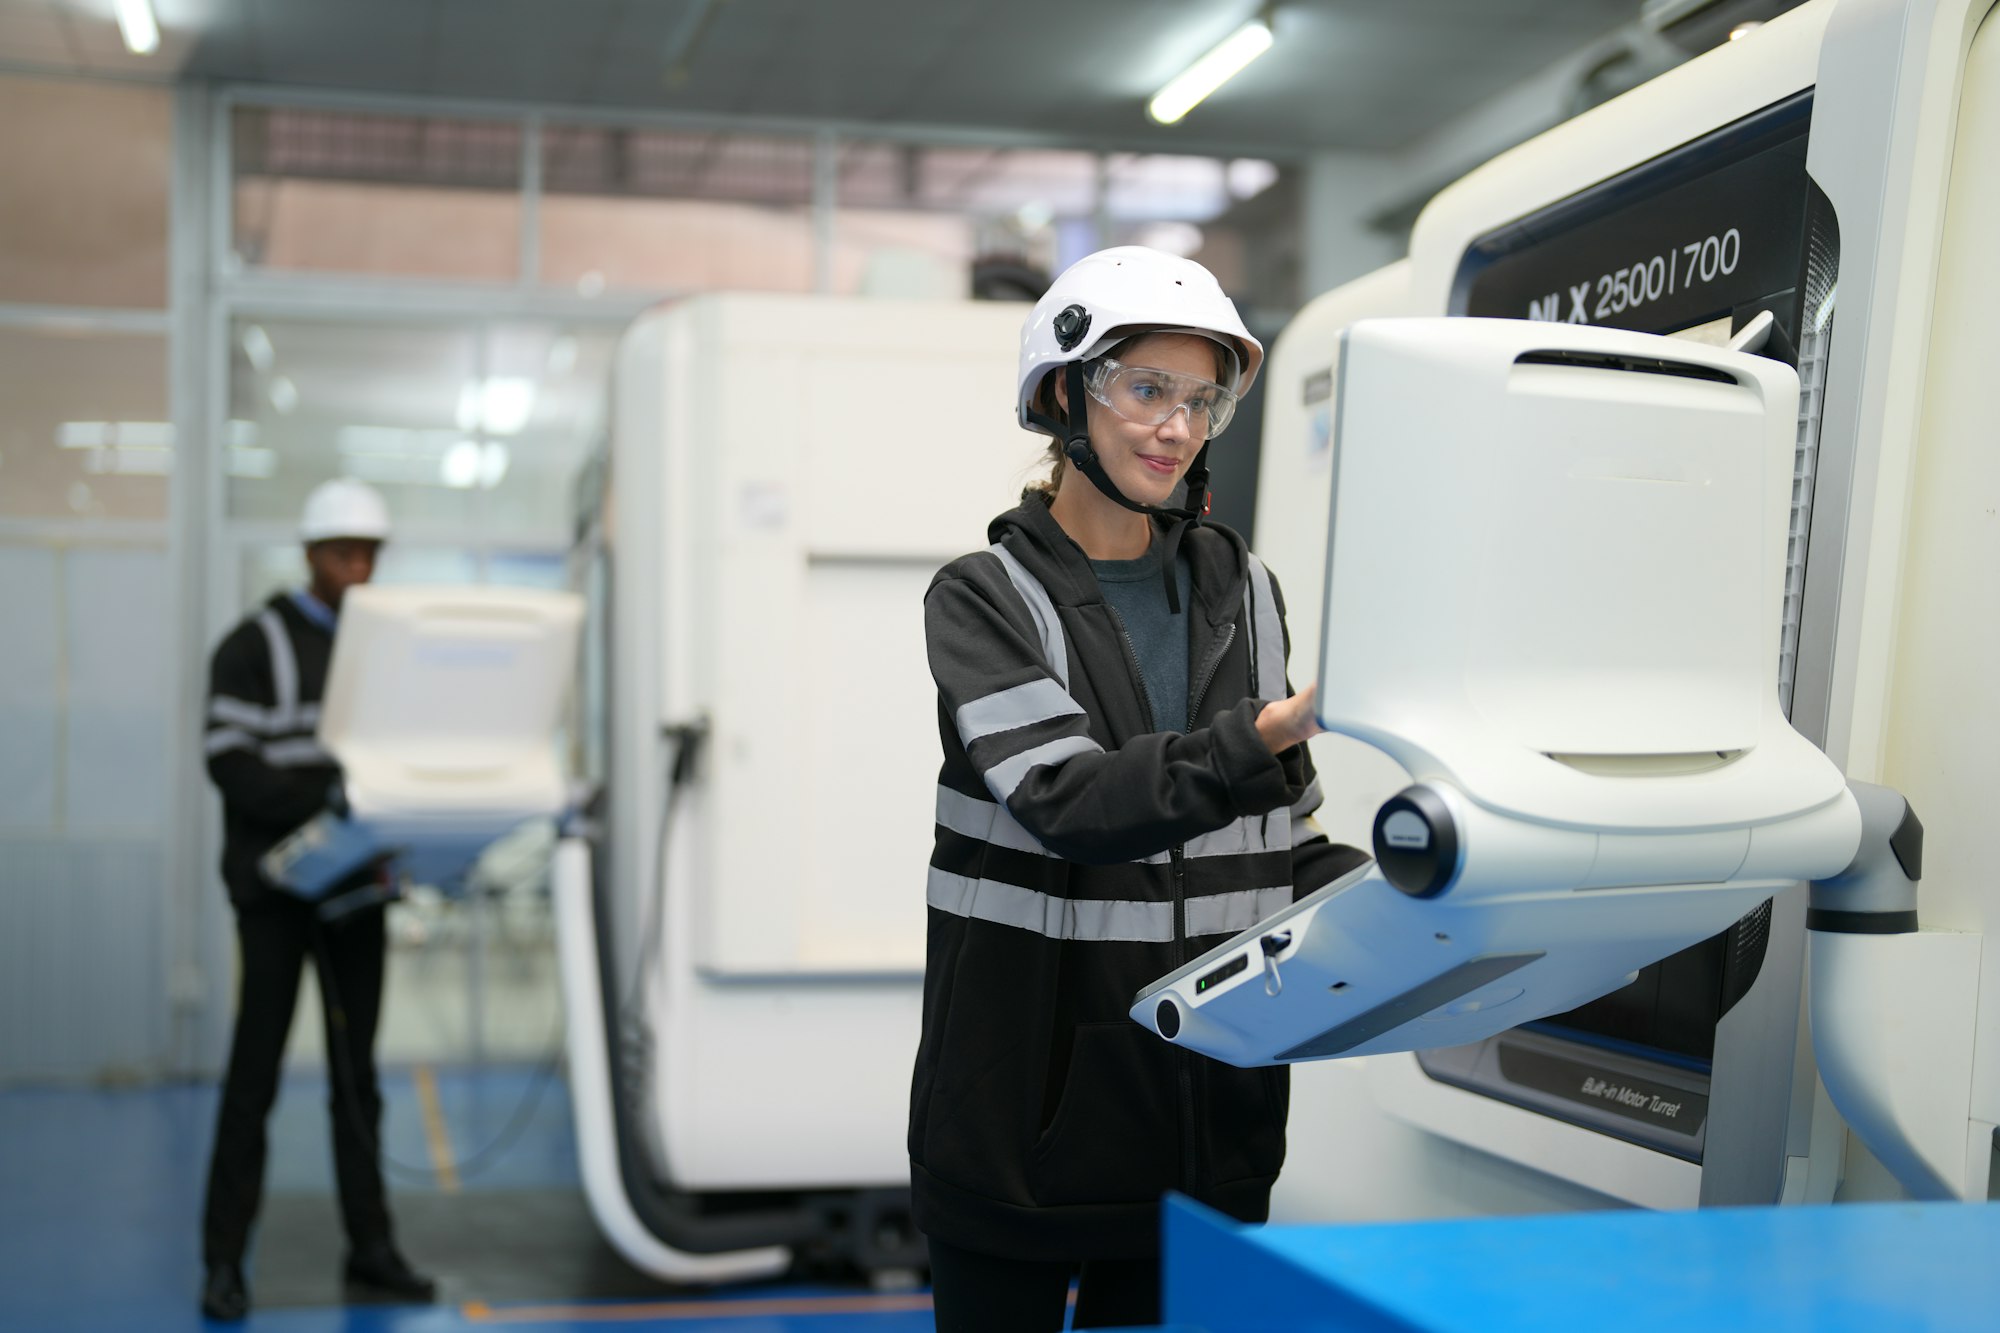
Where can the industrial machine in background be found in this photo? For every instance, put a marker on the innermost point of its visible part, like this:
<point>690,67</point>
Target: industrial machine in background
<point>742,930</point>
<point>1828,171</point>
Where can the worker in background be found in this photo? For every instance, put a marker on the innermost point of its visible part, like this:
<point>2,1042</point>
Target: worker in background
<point>1114,800</point>
<point>265,684</point>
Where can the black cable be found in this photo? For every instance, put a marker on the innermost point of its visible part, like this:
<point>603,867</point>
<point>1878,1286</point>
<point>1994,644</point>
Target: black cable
<point>346,1088</point>
<point>688,738</point>
<point>637,1045</point>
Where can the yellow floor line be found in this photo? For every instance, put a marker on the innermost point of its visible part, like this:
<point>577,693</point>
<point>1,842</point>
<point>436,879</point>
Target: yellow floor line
<point>479,1312</point>
<point>435,1133</point>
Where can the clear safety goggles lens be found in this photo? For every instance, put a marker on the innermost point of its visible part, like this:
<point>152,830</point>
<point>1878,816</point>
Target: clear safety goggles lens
<point>1149,397</point>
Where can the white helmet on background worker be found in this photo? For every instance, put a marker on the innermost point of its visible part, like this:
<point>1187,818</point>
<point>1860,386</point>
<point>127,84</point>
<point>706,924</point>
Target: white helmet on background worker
<point>344,507</point>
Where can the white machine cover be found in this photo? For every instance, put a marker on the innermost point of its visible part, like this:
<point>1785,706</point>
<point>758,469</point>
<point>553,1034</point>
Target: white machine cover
<point>1553,595</point>
<point>444,707</point>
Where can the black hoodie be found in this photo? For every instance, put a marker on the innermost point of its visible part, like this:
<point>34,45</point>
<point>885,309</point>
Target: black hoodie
<point>1081,855</point>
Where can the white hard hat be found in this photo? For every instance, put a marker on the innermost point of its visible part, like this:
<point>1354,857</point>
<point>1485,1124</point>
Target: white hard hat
<point>1107,297</point>
<point>344,507</point>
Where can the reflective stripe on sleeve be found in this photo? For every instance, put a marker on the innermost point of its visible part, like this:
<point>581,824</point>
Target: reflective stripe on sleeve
<point>988,822</point>
<point>1005,777</point>
<point>262,721</point>
<point>299,752</point>
<point>1020,706</point>
<point>284,664</point>
<point>224,739</point>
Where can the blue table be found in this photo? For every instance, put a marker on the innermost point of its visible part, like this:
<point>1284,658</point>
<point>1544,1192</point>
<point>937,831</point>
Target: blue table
<point>1883,1268</point>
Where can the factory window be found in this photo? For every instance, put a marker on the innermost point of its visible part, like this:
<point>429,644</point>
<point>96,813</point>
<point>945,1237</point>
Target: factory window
<point>675,210</point>
<point>462,426</point>
<point>915,220</point>
<point>84,170</point>
<point>1236,217</point>
<point>921,220</point>
<point>379,195</point>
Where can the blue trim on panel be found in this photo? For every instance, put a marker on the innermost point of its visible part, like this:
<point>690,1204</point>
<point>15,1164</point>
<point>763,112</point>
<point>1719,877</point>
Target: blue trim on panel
<point>1619,1045</point>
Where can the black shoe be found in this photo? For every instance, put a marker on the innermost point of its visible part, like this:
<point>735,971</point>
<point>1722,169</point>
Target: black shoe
<point>384,1271</point>
<point>223,1295</point>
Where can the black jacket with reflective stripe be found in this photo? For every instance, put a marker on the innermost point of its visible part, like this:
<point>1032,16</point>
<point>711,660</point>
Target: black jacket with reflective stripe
<point>265,682</point>
<point>1079,856</point>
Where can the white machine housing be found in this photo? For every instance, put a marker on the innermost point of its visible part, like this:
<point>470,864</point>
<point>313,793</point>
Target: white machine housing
<point>783,477</point>
<point>1900,161</point>
<point>1557,556</point>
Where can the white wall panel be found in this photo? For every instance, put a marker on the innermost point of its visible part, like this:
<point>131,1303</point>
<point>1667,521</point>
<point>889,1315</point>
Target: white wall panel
<point>28,689</point>
<point>118,647</point>
<point>82,994</point>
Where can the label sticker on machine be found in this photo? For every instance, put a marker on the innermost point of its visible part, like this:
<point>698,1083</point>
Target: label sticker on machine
<point>1654,1103</point>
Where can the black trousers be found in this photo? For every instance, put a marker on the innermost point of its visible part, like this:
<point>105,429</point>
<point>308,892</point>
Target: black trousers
<point>276,934</point>
<point>979,1293</point>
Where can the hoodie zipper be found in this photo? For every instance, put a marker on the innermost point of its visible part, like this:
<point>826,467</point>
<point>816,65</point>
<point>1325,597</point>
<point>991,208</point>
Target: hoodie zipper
<point>1207,676</point>
<point>1190,1137</point>
<point>1132,660</point>
<point>1184,1061</point>
<point>1177,855</point>
<point>1183,1058</point>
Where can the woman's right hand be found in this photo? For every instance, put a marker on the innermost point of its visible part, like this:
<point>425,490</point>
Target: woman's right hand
<point>1289,721</point>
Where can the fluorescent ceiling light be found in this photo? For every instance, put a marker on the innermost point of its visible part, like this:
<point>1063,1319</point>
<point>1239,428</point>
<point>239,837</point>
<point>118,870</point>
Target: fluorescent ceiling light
<point>1034,215</point>
<point>257,346</point>
<point>492,464</point>
<point>469,463</point>
<point>497,406</point>
<point>459,469</point>
<point>1249,177</point>
<point>284,395</point>
<point>1186,90</point>
<point>136,26</point>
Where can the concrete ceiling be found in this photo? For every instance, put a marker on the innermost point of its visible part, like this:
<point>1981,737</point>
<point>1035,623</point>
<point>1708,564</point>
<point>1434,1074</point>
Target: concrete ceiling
<point>1347,74</point>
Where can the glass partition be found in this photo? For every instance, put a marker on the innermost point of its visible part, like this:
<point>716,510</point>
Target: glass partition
<point>465,427</point>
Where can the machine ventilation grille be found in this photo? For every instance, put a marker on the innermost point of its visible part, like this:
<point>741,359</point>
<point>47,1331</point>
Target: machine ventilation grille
<point>1820,284</point>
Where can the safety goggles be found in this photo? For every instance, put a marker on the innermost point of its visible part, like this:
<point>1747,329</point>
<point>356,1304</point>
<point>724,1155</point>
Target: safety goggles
<point>1149,397</point>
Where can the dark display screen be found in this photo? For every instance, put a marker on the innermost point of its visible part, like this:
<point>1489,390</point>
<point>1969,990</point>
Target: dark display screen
<point>1690,253</point>
<point>1716,229</point>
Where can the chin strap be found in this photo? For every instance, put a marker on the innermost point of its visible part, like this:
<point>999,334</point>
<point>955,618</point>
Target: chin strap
<point>1075,435</point>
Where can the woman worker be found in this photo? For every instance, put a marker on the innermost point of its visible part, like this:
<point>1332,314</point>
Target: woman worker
<point>1123,786</point>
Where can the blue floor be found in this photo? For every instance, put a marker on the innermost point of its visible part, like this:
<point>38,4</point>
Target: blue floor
<point>100,1196</point>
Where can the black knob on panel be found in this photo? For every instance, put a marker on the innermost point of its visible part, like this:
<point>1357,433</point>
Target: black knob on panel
<point>1416,842</point>
<point>1168,1019</point>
